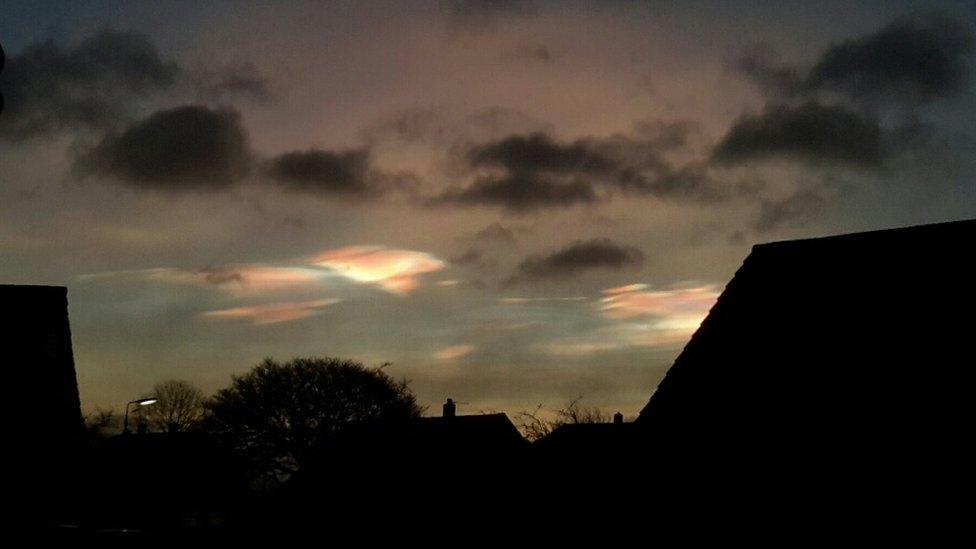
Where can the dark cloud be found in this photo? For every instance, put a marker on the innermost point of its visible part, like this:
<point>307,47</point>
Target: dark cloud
<point>321,171</point>
<point>520,192</point>
<point>912,61</point>
<point>482,14</point>
<point>538,152</point>
<point>221,275</point>
<point>239,81</point>
<point>810,132</point>
<point>469,257</point>
<point>761,64</point>
<point>190,147</point>
<point>799,207</point>
<point>49,87</point>
<point>601,253</point>
<point>916,59</point>
<point>528,172</point>
<point>532,51</point>
<point>408,126</point>
<point>666,135</point>
<point>496,232</point>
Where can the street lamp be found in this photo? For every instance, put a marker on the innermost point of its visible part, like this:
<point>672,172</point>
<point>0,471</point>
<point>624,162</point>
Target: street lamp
<point>140,402</point>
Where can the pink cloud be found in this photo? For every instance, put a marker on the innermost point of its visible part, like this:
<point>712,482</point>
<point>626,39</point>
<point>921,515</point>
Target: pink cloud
<point>396,271</point>
<point>636,300</point>
<point>453,352</point>
<point>242,279</point>
<point>273,312</point>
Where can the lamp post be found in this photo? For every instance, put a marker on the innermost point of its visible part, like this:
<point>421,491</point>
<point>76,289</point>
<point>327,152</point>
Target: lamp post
<point>140,402</point>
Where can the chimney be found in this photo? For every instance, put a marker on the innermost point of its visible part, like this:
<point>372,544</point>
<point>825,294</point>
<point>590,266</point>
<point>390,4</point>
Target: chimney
<point>618,418</point>
<point>450,409</point>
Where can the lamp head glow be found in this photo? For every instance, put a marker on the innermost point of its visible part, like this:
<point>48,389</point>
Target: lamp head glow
<point>146,401</point>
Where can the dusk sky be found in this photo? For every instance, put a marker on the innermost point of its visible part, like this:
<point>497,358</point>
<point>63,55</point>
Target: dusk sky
<point>514,202</point>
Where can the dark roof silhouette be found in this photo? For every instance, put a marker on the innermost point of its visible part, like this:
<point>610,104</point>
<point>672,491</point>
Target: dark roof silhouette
<point>468,434</point>
<point>587,440</point>
<point>842,347</point>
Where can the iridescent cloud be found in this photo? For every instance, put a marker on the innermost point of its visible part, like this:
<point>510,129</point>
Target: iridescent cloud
<point>273,312</point>
<point>396,271</point>
<point>243,278</point>
<point>453,352</point>
<point>636,300</point>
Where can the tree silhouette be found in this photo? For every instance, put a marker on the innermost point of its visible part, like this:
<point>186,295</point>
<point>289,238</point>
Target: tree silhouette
<point>280,416</point>
<point>535,426</point>
<point>180,406</point>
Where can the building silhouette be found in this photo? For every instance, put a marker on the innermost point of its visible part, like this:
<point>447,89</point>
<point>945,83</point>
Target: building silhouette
<point>831,358</point>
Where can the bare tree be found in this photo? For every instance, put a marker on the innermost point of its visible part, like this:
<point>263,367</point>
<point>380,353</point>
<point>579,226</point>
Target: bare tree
<point>534,425</point>
<point>180,406</point>
<point>99,421</point>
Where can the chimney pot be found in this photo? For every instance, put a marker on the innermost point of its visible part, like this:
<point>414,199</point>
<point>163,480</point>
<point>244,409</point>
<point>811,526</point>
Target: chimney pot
<point>450,409</point>
<point>618,418</point>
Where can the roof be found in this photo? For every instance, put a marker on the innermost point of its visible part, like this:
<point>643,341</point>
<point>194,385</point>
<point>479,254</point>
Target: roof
<point>832,341</point>
<point>482,432</point>
<point>586,438</point>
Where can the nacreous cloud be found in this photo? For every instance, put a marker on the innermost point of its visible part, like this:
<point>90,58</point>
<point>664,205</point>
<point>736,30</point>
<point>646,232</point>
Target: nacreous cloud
<point>601,253</point>
<point>396,271</point>
<point>273,313</point>
<point>186,148</point>
<point>244,279</point>
<point>637,300</point>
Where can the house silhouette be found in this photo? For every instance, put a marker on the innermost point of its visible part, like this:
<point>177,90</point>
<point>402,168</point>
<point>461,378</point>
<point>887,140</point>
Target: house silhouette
<point>841,357</point>
<point>40,397</point>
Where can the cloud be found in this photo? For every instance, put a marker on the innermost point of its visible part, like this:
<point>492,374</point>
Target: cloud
<point>238,280</point>
<point>601,253</point>
<point>485,14</point>
<point>496,232</point>
<point>529,51</point>
<point>832,112</point>
<point>186,148</point>
<point>525,172</point>
<point>396,271</point>
<point>520,193</point>
<point>761,64</point>
<point>90,85</point>
<point>810,132</point>
<point>798,207</point>
<point>471,256</point>
<point>273,313</point>
<point>236,81</point>
<point>243,279</point>
<point>321,171</point>
<point>454,352</point>
<point>641,317</point>
<point>914,60</point>
<point>415,125</point>
<point>638,300</point>
<point>527,300</point>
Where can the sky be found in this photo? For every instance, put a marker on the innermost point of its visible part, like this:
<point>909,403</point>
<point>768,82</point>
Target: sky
<point>513,203</point>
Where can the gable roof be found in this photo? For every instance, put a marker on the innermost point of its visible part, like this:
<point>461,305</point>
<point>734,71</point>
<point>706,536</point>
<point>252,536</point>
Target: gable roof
<point>831,340</point>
